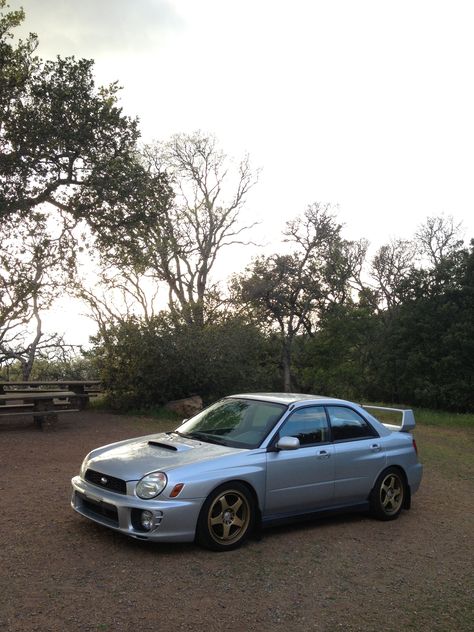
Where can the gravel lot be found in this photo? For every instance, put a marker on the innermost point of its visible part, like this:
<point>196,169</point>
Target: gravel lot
<point>62,572</point>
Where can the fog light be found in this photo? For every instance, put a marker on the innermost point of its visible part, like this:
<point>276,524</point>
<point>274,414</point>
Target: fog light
<point>147,520</point>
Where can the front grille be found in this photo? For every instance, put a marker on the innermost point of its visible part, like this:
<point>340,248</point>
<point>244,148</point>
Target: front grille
<point>99,510</point>
<point>106,481</point>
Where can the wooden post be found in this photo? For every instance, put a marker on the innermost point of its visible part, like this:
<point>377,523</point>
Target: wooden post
<point>45,420</point>
<point>81,401</point>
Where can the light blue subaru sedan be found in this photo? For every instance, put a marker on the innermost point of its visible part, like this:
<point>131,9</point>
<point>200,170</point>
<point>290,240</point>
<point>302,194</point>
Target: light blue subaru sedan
<point>249,461</point>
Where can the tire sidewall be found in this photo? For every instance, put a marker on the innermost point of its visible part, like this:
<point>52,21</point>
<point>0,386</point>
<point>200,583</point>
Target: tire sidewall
<point>203,537</point>
<point>376,508</point>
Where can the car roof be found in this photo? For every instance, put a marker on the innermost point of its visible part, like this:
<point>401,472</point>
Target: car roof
<point>285,398</point>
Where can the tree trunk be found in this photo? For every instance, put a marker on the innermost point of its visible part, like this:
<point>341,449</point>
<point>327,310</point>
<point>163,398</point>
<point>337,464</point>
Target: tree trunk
<point>26,368</point>
<point>286,361</point>
<point>28,361</point>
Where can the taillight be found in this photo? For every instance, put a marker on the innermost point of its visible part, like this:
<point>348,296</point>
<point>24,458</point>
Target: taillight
<point>414,445</point>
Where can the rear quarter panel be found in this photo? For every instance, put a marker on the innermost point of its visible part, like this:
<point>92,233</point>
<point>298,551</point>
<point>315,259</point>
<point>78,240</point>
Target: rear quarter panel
<point>400,452</point>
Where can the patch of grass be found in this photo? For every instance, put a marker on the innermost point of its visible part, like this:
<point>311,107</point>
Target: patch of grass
<point>98,403</point>
<point>448,450</point>
<point>428,417</point>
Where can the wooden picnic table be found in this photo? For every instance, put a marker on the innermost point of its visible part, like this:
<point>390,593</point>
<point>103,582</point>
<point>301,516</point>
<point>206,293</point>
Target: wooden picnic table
<point>41,404</point>
<point>44,399</point>
<point>83,389</point>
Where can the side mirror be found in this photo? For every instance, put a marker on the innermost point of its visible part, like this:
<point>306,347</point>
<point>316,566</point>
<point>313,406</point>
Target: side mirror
<point>288,443</point>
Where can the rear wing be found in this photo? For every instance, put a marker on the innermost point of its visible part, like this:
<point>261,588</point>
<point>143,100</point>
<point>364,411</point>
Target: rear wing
<point>408,418</point>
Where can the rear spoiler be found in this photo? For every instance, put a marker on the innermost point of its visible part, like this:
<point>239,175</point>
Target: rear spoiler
<point>408,418</point>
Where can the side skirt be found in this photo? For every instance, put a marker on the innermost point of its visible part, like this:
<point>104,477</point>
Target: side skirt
<point>276,519</point>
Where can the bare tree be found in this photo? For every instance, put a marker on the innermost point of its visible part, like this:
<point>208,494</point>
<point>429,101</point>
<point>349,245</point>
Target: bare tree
<point>391,268</point>
<point>119,296</point>
<point>397,263</point>
<point>182,246</point>
<point>439,237</point>
<point>34,265</point>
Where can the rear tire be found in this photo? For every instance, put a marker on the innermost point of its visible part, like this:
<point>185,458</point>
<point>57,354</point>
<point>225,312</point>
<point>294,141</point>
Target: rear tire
<point>388,495</point>
<point>226,518</point>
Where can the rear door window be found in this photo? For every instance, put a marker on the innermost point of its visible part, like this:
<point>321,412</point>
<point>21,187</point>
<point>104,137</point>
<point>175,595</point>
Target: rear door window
<point>347,424</point>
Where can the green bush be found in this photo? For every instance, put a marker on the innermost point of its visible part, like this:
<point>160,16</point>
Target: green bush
<point>144,365</point>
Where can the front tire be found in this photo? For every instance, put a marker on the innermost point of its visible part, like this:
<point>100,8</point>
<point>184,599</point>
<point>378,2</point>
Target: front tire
<point>388,495</point>
<point>226,518</point>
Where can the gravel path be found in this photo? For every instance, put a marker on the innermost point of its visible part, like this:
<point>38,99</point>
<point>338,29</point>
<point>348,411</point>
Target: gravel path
<point>61,572</point>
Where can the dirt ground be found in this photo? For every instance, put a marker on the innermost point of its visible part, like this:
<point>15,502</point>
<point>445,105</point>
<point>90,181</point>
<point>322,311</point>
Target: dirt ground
<point>59,571</point>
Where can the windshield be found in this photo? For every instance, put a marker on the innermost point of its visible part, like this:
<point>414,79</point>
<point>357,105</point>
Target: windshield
<point>237,423</point>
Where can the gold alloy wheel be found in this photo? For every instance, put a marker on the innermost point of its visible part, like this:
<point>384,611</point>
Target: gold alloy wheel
<point>391,494</point>
<point>228,517</point>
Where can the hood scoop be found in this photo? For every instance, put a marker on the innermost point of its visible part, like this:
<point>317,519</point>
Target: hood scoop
<point>171,441</point>
<point>167,446</point>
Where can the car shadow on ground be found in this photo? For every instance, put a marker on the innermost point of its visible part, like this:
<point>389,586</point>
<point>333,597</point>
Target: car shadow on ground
<point>296,526</point>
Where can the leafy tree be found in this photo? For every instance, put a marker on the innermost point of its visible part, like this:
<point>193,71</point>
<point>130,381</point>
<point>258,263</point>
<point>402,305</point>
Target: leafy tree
<point>338,360</point>
<point>426,357</point>
<point>62,140</point>
<point>71,366</point>
<point>291,292</point>
<point>67,151</point>
<point>16,62</point>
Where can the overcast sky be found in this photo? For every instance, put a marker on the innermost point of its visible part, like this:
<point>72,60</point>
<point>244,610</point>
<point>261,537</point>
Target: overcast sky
<point>366,104</point>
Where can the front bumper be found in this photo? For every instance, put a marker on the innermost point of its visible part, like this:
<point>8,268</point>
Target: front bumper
<point>175,520</point>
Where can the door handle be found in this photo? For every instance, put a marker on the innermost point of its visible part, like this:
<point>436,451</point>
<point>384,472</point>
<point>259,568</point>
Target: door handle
<point>375,447</point>
<point>323,454</point>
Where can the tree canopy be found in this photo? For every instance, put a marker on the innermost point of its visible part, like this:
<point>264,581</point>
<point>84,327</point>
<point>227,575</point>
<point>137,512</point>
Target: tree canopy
<point>63,140</point>
<point>290,292</point>
<point>316,315</point>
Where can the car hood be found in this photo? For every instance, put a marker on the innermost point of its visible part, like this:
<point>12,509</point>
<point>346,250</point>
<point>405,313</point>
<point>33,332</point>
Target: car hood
<point>132,459</point>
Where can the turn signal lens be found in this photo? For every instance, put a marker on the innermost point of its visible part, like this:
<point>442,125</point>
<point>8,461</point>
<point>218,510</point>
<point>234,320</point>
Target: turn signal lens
<point>176,490</point>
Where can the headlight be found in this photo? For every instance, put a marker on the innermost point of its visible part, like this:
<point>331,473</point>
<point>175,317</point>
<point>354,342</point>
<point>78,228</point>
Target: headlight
<point>83,469</point>
<point>151,485</point>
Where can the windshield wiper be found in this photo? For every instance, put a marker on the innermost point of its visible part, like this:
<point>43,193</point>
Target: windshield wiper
<point>202,436</point>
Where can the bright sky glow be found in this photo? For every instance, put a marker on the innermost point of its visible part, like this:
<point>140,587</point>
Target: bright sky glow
<point>367,105</point>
